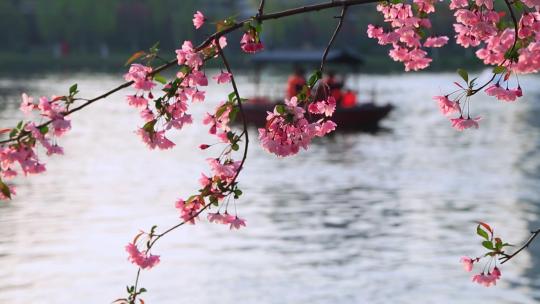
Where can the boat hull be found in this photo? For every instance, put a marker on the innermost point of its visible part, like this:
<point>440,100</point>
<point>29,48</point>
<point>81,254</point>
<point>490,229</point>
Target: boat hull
<point>365,116</point>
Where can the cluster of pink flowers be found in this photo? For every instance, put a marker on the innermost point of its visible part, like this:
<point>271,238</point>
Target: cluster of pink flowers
<point>486,279</point>
<point>173,106</point>
<point>405,35</point>
<point>24,151</point>
<point>448,106</point>
<point>287,129</point>
<point>234,222</point>
<point>480,23</point>
<point>504,94</point>
<point>142,259</point>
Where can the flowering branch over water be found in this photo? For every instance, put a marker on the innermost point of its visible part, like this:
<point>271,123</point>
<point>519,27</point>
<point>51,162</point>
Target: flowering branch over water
<point>511,45</point>
<point>496,251</point>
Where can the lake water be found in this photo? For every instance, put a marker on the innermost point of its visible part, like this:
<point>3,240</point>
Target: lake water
<point>359,218</point>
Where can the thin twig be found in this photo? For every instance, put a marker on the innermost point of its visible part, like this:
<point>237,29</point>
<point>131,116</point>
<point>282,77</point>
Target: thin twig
<point>261,8</point>
<point>336,31</point>
<point>240,107</point>
<point>507,258</point>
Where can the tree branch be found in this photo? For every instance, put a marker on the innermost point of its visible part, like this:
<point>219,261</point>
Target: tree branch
<point>336,31</point>
<point>239,100</point>
<point>507,258</point>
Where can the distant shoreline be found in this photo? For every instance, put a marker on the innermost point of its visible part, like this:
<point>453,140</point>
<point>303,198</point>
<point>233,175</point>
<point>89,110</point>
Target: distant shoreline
<point>12,64</point>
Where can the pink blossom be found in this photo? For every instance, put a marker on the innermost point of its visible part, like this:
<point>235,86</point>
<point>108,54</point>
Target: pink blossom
<point>436,41</point>
<point>137,101</point>
<point>198,19</point>
<point>226,171</point>
<point>223,77</point>
<point>467,263</point>
<point>237,223</point>
<point>189,210</point>
<point>215,217</point>
<point>139,74</point>
<point>141,258</point>
<point>198,96</point>
<point>27,104</point>
<point>147,115</point>
<point>205,181</point>
<point>447,106</point>
<point>489,279</point>
<point>251,43</point>
<point>504,94</point>
<point>155,139</point>
<point>461,124</point>
<point>325,127</point>
<point>326,107</point>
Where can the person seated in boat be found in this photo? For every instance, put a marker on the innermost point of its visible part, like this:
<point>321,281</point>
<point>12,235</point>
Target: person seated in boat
<point>296,82</point>
<point>335,86</point>
<point>349,99</point>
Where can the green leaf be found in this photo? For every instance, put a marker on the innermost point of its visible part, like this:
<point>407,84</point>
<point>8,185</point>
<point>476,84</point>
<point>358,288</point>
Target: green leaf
<point>235,147</point>
<point>488,245</point>
<point>160,79</point>
<point>482,233</point>
<point>142,290</point>
<point>13,133</point>
<point>73,90</point>
<point>149,126</point>
<point>44,130</point>
<point>258,28</point>
<point>280,109</point>
<point>499,70</point>
<point>230,136</point>
<point>155,48</point>
<point>232,97</point>
<point>5,189</point>
<point>463,75</point>
<point>225,23</point>
<point>213,200</point>
<point>314,78</point>
<point>233,113</point>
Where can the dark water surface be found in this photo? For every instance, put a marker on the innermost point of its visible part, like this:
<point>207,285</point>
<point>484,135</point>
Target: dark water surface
<point>359,218</point>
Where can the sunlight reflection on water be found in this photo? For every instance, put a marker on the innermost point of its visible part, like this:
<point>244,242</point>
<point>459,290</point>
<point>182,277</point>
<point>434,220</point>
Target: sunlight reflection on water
<point>359,218</point>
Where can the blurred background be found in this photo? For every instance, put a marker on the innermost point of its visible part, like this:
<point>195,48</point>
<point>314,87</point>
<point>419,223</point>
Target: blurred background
<point>360,217</point>
<point>100,34</point>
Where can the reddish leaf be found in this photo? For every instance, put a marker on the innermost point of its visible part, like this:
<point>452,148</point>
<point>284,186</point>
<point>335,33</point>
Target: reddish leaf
<point>458,85</point>
<point>135,56</point>
<point>3,131</point>
<point>486,226</point>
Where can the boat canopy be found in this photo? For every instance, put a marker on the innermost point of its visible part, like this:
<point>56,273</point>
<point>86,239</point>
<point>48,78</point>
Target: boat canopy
<point>336,56</point>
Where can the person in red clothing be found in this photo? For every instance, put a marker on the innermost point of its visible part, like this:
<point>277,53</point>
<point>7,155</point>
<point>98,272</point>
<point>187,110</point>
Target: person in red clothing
<point>349,99</point>
<point>296,82</point>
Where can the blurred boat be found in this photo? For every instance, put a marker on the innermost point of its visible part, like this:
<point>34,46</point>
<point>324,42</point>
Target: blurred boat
<point>363,116</point>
